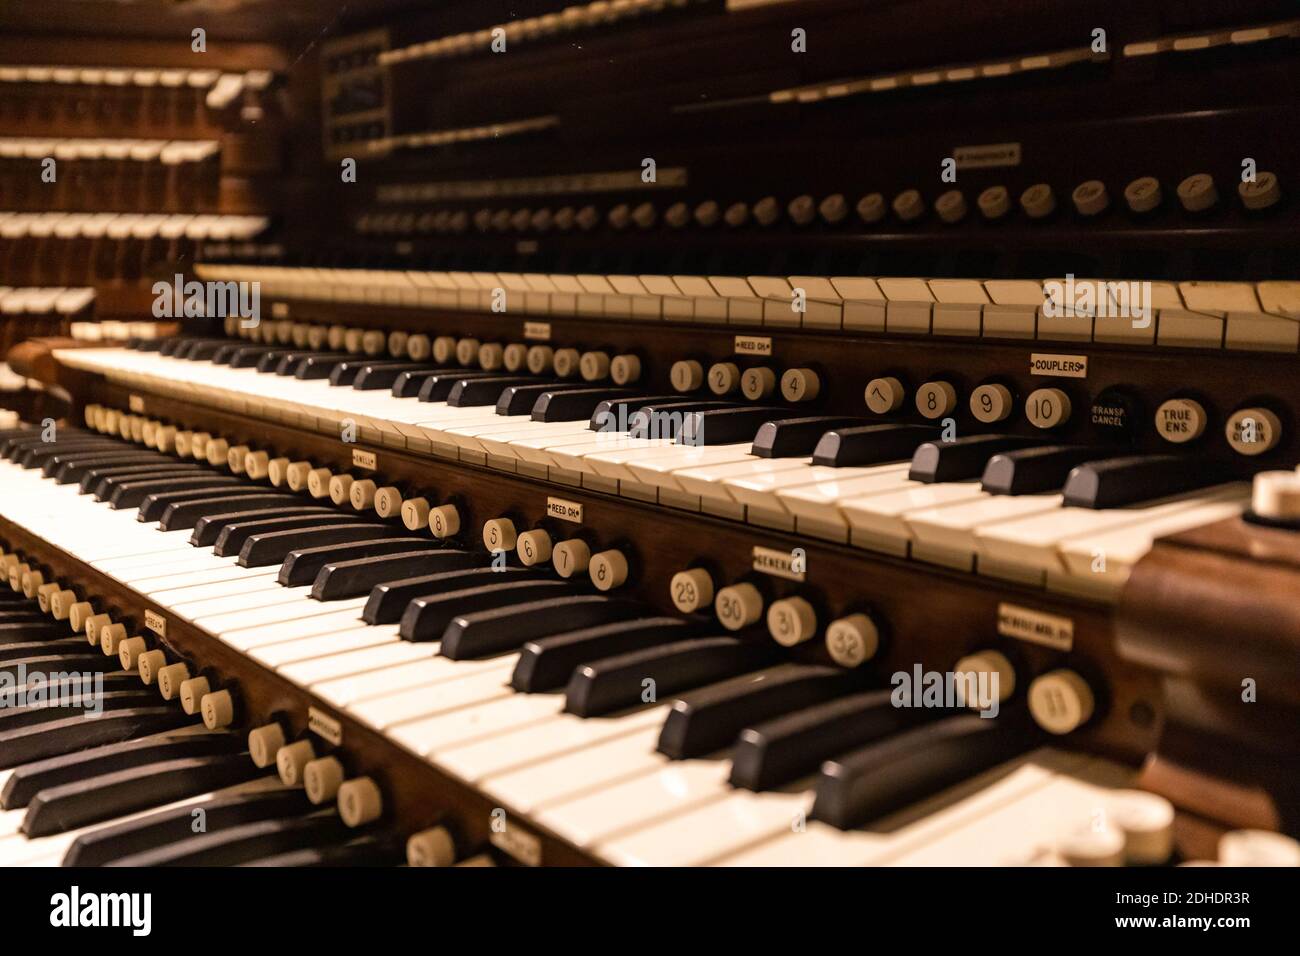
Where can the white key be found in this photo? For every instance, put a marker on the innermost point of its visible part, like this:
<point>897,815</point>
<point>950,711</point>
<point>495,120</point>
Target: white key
<point>283,653</point>
<point>347,690</point>
<point>442,696</point>
<point>306,673</point>
<point>430,734</point>
<point>879,521</point>
<point>947,534</point>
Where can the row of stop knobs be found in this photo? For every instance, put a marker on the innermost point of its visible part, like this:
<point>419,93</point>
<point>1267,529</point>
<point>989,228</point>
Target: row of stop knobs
<point>323,777</point>
<point>1197,193</point>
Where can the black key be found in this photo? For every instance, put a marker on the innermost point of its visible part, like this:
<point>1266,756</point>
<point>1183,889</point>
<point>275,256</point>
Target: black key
<point>796,437</point>
<point>301,568</point>
<point>372,849</point>
<point>77,733</point>
<point>487,632</point>
<point>345,373</point>
<point>520,399</point>
<point>32,615</point>
<point>547,663</point>
<point>155,504</point>
<point>870,444</point>
<point>573,405</point>
<point>74,705</point>
<point>28,780</point>
<point>79,471</point>
<point>472,392</point>
<point>785,748</point>
<point>375,376</point>
<point>251,355</point>
<point>248,841</point>
<point>104,488</point>
<point>203,351</point>
<point>223,355</point>
<point>37,456</point>
<point>288,363</point>
<point>67,684</point>
<point>115,794</point>
<point>14,633</point>
<point>272,547</point>
<point>388,600</point>
<point>55,463</point>
<point>185,514</point>
<point>710,719</point>
<point>345,579</point>
<point>86,658</point>
<point>666,419</point>
<point>600,687</point>
<point>728,426</point>
<point>425,618</point>
<point>95,477</point>
<point>22,649</point>
<point>436,388</point>
<point>1116,482</point>
<point>166,827</point>
<point>407,384</point>
<point>231,538</point>
<point>129,494</point>
<point>615,414</point>
<point>1029,470</point>
<point>962,458</point>
<point>883,777</point>
<point>208,528</point>
<point>319,365</point>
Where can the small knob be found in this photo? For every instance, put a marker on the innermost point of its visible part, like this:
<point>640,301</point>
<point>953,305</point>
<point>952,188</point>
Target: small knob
<point>216,451</point>
<point>264,743</point>
<point>1276,495</point>
<point>737,215</point>
<point>1258,848</point>
<point>111,639</point>
<point>565,362</point>
<point>61,602</point>
<point>871,208</point>
<point>625,369</point>
<point>608,569</point>
<point>644,215</point>
<point>1060,701</point>
<point>1262,193</point>
<point>149,664</point>
<point>588,218</point>
<point>678,215</point>
<point>514,357</point>
<point>738,605</point>
<point>533,547</point>
<point>360,801</point>
<point>170,679</point>
<point>432,847</point>
<point>444,521</point>
<point>791,621</point>
<point>192,693</point>
<point>1090,198</point>
<point>767,211</point>
<point>802,210</point>
<point>1197,192</point>
<point>362,494</point>
<point>724,378</point>
<point>1091,845</point>
<point>1180,420</point>
<point>320,482</point>
<point>78,614</point>
<point>707,214</point>
<point>620,215</point>
<point>499,534</point>
<point>800,385</point>
<point>341,489</point>
<point>686,375</point>
<point>540,359</point>
<point>235,457</point>
<point>418,347</point>
<point>951,206</point>
<point>757,383</point>
<point>998,671</point>
<point>415,513</point>
<point>885,395</point>
<point>691,590</point>
<point>1047,407</point>
<point>467,351</point>
<point>444,349</point>
<point>565,217</point>
<point>397,340</point>
<point>1038,201</point>
<point>491,356</point>
<point>853,640</point>
<point>218,710</point>
<point>909,205</point>
<point>129,651</point>
<point>322,778</point>
<point>833,209</point>
<point>936,399</point>
<point>1147,822</point>
<point>257,465</point>
<point>94,626</point>
<point>291,761</point>
<point>991,402</point>
<point>594,366</point>
<point>352,340</point>
<point>1143,194</point>
<point>571,557</point>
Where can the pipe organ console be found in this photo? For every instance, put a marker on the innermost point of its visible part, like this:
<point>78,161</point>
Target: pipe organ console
<point>655,432</point>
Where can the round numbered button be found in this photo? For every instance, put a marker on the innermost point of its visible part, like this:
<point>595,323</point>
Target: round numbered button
<point>884,395</point>
<point>800,385</point>
<point>724,378</point>
<point>691,590</point>
<point>936,399</point>
<point>1047,407</point>
<point>444,521</point>
<point>571,557</point>
<point>533,547</point>
<point>990,402</point>
<point>853,640</point>
<point>1060,701</point>
<point>686,375</point>
<point>499,534</point>
<point>608,569</point>
<point>791,621</point>
<point>757,383</point>
<point>738,606</point>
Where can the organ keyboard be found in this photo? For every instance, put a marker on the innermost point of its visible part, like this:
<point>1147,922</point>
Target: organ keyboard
<point>551,476</point>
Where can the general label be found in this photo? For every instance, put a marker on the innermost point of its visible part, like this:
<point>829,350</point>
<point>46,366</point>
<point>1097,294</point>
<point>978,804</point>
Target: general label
<point>365,459</point>
<point>324,726</point>
<point>989,156</point>
<point>156,623</point>
<point>753,345</point>
<point>792,565</point>
<point>537,331</point>
<point>564,510</point>
<point>136,404</point>
<point>1026,624</point>
<point>1058,366</point>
